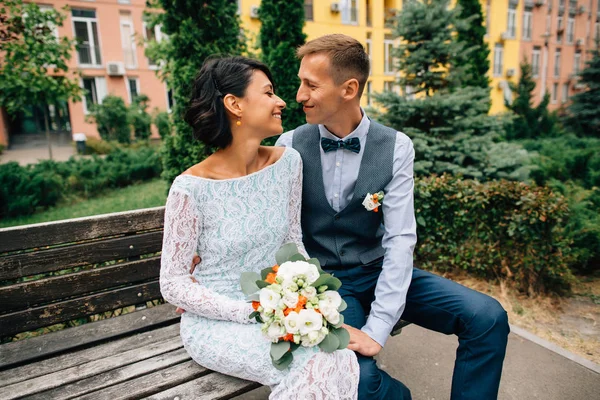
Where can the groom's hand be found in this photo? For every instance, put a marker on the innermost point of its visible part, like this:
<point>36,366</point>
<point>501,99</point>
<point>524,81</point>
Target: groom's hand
<point>362,343</point>
<point>195,261</point>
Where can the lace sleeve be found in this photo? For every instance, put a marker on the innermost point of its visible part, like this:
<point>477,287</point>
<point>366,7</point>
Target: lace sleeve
<point>294,234</point>
<point>176,285</point>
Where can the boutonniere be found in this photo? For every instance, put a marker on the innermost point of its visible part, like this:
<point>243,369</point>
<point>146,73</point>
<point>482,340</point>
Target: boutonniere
<point>372,202</point>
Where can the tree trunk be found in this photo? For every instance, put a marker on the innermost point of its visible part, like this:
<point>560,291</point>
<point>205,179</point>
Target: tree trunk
<point>47,132</point>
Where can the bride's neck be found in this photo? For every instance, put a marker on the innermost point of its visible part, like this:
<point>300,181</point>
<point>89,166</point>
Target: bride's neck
<point>243,156</point>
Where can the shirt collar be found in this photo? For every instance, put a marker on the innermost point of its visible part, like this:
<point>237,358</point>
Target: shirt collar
<point>360,132</point>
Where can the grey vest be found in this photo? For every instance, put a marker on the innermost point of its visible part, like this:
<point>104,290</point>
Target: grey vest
<point>352,236</point>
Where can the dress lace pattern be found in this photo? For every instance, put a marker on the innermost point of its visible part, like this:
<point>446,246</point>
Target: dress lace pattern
<point>237,225</point>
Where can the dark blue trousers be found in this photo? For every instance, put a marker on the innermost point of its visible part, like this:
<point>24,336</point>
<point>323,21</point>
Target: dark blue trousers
<point>441,305</point>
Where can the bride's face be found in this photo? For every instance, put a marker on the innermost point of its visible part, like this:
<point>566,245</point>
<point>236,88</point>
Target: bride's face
<point>261,107</point>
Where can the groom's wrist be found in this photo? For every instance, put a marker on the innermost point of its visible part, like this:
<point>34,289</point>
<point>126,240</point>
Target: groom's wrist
<point>377,329</point>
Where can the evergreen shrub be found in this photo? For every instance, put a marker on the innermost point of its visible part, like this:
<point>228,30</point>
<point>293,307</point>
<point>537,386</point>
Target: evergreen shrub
<point>497,230</point>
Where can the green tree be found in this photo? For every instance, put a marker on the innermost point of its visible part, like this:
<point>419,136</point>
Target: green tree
<point>473,35</point>
<point>34,68</point>
<point>530,121</point>
<point>112,119</point>
<point>195,31</point>
<point>584,112</point>
<point>140,120</point>
<point>430,55</point>
<point>280,35</point>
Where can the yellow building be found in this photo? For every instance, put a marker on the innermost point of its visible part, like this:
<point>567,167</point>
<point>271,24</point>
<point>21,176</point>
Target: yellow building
<point>369,21</point>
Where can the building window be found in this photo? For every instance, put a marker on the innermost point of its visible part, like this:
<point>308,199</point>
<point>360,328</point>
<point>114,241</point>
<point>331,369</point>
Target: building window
<point>369,13</point>
<point>388,86</point>
<point>86,32</point>
<point>128,40</point>
<point>527,20</point>
<point>133,88</point>
<point>554,92</point>
<point>565,93</point>
<point>152,34</point>
<point>498,60</point>
<point>549,5</point>
<point>597,35</point>
<point>95,91</point>
<point>557,63</point>
<point>170,98</point>
<point>488,10</point>
<point>52,27</point>
<point>349,11</point>
<point>388,47</point>
<point>535,62</point>
<point>577,62</point>
<point>559,29</point>
<point>409,92</point>
<point>512,20</point>
<point>308,10</point>
<point>368,93</point>
<point>570,30</point>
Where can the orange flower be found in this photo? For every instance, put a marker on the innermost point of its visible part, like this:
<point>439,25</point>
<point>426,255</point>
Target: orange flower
<point>375,197</point>
<point>301,301</point>
<point>255,305</point>
<point>317,310</point>
<point>287,311</point>
<point>298,309</point>
<point>376,209</point>
<point>288,338</point>
<point>275,268</point>
<point>271,278</point>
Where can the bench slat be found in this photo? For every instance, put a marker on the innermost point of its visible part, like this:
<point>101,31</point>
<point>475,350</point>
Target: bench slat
<point>77,229</point>
<point>35,318</point>
<point>25,295</point>
<point>72,359</point>
<point>77,255</point>
<point>23,351</point>
<point>209,387</point>
<point>73,374</point>
<point>114,377</point>
<point>151,383</point>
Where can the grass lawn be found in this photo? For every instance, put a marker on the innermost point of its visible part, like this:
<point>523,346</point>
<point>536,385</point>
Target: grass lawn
<point>143,195</point>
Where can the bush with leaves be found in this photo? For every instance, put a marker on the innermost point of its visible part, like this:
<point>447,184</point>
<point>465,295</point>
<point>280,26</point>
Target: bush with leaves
<point>583,115</point>
<point>112,119</point>
<point>140,120</point>
<point>163,123</point>
<point>497,230</point>
<point>23,190</point>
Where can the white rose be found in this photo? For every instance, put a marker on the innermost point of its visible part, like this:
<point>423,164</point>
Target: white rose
<point>313,338</point>
<point>275,331</point>
<point>310,321</point>
<point>332,316</point>
<point>312,273</point>
<point>369,204</point>
<point>309,292</point>
<point>290,299</point>
<point>268,298</point>
<point>292,322</point>
<point>332,297</point>
<point>290,286</point>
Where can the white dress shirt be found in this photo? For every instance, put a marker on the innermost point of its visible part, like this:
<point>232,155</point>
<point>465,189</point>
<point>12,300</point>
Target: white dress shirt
<point>340,171</point>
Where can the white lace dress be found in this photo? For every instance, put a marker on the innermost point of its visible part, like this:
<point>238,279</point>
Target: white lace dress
<point>237,225</point>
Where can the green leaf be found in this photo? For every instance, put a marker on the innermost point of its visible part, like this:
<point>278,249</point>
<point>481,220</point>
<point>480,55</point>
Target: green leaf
<point>248,282</point>
<point>316,263</point>
<point>328,280</point>
<point>343,337</point>
<point>284,361</point>
<point>285,252</point>
<point>279,349</point>
<point>297,257</point>
<point>253,296</point>
<point>254,314</point>
<point>421,221</point>
<point>262,284</point>
<point>330,343</point>
<point>340,323</point>
<point>342,306</point>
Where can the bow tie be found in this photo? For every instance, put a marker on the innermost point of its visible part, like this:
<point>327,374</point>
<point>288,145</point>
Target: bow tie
<point>352,144</point>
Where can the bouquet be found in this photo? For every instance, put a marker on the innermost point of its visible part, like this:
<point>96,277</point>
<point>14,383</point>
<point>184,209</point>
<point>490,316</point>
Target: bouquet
<point>297,304</point>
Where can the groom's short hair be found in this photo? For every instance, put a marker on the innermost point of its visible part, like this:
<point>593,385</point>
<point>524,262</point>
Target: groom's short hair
<point>346,54</point>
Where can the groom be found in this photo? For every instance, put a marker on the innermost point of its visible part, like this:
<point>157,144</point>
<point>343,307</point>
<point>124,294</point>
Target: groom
<point>346,157</point>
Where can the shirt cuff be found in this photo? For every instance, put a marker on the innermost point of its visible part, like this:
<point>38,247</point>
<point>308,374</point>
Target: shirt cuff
<point>377,329</point>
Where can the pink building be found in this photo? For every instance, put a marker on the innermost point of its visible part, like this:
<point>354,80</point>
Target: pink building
<point>111,61</point>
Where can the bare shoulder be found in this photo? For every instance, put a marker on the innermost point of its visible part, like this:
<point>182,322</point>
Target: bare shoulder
<point>201,170</point>
<point>272,153</point>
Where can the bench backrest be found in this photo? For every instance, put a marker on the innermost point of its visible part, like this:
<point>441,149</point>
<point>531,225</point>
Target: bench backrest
<point>60,271</point>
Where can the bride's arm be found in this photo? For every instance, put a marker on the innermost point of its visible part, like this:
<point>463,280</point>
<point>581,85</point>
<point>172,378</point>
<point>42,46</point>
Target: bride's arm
<point>176,285</point>
<point>294,234</point>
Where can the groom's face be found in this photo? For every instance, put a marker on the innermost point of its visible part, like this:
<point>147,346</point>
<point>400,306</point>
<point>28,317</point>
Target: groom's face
<point>321,98</point>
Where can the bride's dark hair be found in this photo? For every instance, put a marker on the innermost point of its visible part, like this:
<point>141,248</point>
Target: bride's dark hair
<point>218,77</point>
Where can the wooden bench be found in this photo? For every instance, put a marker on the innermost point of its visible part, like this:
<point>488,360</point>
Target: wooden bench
<point>68,271</point>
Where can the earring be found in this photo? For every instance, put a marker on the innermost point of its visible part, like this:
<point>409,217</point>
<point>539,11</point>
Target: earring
<point>239,121</point>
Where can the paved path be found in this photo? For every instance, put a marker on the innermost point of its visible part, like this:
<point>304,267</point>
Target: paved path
<point>423,360</point>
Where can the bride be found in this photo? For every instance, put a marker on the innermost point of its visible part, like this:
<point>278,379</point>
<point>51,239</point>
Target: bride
<point>235,209</point>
